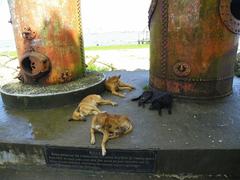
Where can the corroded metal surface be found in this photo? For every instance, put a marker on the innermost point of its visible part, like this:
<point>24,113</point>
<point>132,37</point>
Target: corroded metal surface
<point>34,66</point>
<point>163,6</point>
<point>191,52</point>
<point>151,11</point>
<point>231,22</point>
<point>52,29</point>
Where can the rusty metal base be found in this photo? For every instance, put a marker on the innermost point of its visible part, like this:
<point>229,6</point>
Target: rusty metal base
<point>23,96</point>
<point>193,90</point>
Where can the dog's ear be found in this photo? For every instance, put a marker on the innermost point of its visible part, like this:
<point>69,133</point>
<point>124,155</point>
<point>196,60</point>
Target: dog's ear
<point>119,76</point>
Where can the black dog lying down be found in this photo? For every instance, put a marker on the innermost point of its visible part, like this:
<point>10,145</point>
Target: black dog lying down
<point>158,100</point>
<point>144,98</point>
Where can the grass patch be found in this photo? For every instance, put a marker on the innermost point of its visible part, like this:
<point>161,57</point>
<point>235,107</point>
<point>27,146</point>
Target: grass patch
<point>116,47</point>
<point>13,54</point>
<point>146,87</point>
<point>10,54</point>
<point>93,67</point>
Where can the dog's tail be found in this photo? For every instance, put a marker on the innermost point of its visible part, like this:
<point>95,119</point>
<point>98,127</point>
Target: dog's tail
<point>137,98</point>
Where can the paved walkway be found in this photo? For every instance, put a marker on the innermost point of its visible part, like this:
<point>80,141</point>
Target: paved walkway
<point>8,70</point>
<point>129,59</point>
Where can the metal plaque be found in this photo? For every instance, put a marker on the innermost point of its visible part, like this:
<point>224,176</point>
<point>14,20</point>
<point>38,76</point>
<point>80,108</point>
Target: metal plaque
<point>142,161</point>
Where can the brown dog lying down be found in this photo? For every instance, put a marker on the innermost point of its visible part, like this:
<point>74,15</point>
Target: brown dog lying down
<point>114,84</point>
<point>112,126</point>
<point>88,106</point>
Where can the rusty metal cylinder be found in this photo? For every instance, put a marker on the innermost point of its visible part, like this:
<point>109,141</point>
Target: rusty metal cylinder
<point>48,38</point>
<point>193,46</point>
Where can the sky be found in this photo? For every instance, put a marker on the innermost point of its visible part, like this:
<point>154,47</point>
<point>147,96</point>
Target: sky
<point>6,32</point>
<point>98,16</point>
<point>114,15</point>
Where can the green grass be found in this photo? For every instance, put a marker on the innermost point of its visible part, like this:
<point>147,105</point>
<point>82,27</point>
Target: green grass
<point>97,68</point>
<point>13,54</point>
<point>116,47</point>
<point>146,87</point>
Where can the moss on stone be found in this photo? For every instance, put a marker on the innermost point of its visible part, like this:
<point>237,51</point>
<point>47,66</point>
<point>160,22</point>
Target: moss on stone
<point>90,78</point>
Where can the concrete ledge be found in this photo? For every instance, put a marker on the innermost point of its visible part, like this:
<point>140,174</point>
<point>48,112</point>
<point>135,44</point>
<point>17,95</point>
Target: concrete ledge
<point>200,137</point>
<point>199,162</point>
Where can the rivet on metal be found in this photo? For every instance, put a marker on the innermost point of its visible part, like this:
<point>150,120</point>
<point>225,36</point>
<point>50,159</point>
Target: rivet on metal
<point>28,34</point>
<point>182,69</point>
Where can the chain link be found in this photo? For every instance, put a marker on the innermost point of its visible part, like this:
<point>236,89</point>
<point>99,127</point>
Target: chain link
<point>164,35</point>
<point>81,34</point>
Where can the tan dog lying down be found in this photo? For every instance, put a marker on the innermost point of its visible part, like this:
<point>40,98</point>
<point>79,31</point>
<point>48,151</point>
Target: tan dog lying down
<point>114,84</point>
<point>112,126</point>
<point>88,106</point>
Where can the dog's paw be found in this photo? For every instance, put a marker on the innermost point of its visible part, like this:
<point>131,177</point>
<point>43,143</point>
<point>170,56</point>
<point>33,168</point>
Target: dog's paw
<point>114,104</point>
<point>104,152</point>
<point>92,141</point>
<point>121,95</point>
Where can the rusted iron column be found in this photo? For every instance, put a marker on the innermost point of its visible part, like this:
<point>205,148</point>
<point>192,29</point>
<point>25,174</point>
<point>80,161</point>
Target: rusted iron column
<point>193,47</point>
<point>49,42</point>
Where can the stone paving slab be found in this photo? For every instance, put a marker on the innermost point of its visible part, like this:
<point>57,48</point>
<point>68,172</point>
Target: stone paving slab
<point>40,173</point>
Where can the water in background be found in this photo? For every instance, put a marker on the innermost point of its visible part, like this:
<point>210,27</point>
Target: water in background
<point>112,38</point>
<point>94,39</point>
<point>7,45</point>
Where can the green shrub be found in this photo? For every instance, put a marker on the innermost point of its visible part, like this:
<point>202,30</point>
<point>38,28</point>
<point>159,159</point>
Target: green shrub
<point>93,67</point>
<point>237,66</point>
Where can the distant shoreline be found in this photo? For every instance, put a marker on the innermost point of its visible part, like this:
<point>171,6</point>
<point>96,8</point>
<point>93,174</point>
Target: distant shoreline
<point>13,53</point>
<point>99,41</point>
<point>94,39</point>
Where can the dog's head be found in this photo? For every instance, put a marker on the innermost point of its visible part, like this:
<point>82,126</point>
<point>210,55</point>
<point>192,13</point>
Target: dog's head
<point>114,79</point>
<point>77,116</point>
<point>147,95</point>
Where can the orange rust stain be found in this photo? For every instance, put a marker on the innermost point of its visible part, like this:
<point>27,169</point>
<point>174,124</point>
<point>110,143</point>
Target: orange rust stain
<point>56,24</point>
<point>196,36</point>
<point>212,39</point>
